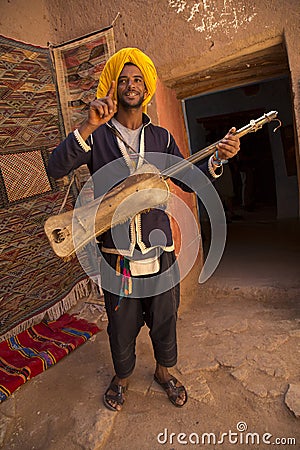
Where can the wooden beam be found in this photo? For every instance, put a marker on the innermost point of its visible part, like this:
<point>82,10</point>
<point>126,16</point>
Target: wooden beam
<point>247,69</point>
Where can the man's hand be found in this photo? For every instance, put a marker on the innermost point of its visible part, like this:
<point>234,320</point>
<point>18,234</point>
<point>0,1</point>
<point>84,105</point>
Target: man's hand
<point>229,145</point>
<point>101,111</point>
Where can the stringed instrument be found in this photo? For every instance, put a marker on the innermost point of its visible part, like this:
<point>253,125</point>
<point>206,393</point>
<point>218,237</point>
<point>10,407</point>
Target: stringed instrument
<point>146,188</point>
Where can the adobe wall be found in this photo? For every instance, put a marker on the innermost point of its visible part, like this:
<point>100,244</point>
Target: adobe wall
<point>181,36</point>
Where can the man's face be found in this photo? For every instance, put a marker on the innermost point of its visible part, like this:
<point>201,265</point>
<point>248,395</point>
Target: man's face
<point>131,87</point>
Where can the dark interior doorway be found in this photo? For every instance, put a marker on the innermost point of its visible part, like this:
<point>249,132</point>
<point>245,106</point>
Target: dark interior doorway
<point>228,94</point>
<point>260,185</point>
<point>252,171</point>
<point>263,175</point>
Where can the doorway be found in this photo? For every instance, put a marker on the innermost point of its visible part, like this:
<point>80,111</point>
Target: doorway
<point>264,173</point>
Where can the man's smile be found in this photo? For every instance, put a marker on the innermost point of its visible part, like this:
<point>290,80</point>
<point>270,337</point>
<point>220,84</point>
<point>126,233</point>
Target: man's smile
<point>131,94</point>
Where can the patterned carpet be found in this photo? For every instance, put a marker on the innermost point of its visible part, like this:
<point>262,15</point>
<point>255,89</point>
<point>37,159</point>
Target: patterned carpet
<point>35,350</point>
<point>78,64</point>
<point>34,281</point>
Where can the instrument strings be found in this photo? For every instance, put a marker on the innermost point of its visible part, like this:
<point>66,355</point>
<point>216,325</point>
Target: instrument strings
<point>253,126</point>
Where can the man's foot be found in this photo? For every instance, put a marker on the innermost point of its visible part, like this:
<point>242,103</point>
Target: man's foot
<point>113,398</point>
<point>175,390</point>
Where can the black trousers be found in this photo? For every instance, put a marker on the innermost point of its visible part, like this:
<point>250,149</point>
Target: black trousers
<point>158,311</point>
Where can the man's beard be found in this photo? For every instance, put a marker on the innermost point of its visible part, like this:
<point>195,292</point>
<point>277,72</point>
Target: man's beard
<point>122,101</point>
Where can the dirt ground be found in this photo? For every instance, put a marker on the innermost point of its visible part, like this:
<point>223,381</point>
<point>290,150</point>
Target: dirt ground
<point>239,353</point>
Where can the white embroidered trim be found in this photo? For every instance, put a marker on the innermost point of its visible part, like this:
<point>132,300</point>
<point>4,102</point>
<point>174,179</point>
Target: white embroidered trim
<point>211,169</point>
<point>80,141</point>
<point>141,244</point>
<point>130,253</point>
<point>136,233</point>
<point>142,149</point>
<point>125,156</point>
<point>169,139</point>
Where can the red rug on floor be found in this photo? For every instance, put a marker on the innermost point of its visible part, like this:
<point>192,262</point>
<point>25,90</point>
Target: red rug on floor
<point>31,352</point>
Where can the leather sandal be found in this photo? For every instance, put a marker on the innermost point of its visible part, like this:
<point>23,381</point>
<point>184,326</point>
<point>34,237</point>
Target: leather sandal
<point>173,391</point>
<point>118,397</point>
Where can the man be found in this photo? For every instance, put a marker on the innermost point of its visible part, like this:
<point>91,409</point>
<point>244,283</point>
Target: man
<point>117,129</point>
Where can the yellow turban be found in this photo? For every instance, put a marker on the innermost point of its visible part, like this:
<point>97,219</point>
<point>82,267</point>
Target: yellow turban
<point>114,67</point>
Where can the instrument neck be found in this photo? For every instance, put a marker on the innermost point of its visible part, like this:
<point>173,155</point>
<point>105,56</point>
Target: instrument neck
<point>253,126</point>
<point>193,159</point>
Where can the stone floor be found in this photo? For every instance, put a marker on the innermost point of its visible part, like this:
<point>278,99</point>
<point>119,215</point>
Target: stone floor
<point>239,353</point>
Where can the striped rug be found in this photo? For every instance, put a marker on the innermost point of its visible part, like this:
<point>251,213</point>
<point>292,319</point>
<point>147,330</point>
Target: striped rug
<point>35,350</point>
